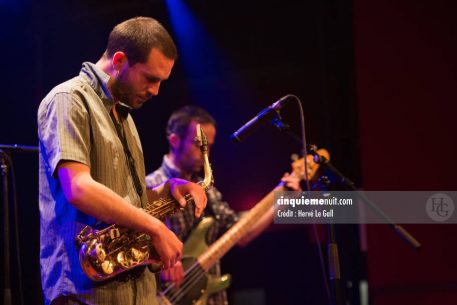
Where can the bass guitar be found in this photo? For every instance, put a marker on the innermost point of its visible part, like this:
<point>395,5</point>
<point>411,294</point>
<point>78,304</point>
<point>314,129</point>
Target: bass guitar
<point>198,257</point>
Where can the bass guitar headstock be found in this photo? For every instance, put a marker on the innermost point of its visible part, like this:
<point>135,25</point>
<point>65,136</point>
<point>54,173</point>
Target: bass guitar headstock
<point>298,166</point>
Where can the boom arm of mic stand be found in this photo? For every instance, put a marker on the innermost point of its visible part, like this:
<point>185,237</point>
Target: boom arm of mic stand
<point>399,230</point>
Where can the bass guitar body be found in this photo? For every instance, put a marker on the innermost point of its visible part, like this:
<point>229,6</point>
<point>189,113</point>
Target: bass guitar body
<point>197,285</point>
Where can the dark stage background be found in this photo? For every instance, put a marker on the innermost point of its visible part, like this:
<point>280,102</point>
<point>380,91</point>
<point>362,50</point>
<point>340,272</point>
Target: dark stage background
<point>406,89</point>
<point>377,82</point>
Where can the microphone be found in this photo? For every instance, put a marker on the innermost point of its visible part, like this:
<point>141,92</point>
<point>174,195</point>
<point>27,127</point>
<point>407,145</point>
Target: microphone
<point>261,118</point>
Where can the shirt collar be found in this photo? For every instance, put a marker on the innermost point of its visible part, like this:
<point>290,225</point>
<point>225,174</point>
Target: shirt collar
<point>98,80</point>
<point>170,169</point>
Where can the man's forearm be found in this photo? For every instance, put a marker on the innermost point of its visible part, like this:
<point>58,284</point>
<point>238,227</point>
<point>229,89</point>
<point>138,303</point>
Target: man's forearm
<point>97,200</point>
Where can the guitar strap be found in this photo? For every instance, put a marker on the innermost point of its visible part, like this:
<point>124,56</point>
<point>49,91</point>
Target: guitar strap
<point>128,155</point>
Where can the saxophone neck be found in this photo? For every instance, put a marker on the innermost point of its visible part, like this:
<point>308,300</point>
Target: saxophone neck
<point>208,180</point>
<point>202,142</point>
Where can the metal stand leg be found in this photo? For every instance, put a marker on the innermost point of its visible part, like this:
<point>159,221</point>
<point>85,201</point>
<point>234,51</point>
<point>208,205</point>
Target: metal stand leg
<point>7,300</point>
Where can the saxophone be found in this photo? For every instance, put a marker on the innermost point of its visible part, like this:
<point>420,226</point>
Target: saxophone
<point>106,253</point>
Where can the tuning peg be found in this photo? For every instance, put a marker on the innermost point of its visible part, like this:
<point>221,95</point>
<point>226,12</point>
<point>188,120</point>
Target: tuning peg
<point>294,157</point>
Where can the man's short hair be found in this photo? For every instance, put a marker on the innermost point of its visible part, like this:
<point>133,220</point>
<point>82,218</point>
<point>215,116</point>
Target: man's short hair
<point>179,121</point>
<point>137,36</point>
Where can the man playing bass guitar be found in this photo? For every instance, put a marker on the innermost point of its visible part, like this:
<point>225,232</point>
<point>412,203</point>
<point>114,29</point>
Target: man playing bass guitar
<point>184,161</point>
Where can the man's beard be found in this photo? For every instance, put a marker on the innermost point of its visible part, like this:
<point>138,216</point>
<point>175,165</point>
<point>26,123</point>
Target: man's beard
<point>121,89</point>
<point>190,168</point>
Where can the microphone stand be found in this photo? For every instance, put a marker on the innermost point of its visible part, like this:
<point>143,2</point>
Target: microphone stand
<point>5,162</point>
<point>333,257</point>
<point>399,230</point>
<point>6,231</point>
<point>312,149</point>
<point>333,264</point>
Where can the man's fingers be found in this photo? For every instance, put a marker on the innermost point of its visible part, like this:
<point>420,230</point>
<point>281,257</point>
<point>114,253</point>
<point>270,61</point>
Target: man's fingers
<point>175,189</point>
<point>198,212</point>
<point>179,276</point>
<point>166,264</point>
<point>200,202</point>
<point>177,273</point>
<point>165,274</point>
<point>180,273</point>
<point>180,197</point>
<point>291,182</point>
<point>171,255</point>
<point>285,175</point>
<point>180,187</point>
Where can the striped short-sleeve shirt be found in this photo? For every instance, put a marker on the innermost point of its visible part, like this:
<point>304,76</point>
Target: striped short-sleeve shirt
<point>74,124</point>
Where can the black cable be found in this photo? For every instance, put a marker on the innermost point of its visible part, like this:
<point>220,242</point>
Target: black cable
<point>308,188</point>
<point>12,176</point>
<point>16,231</point>
<point>6,284</point>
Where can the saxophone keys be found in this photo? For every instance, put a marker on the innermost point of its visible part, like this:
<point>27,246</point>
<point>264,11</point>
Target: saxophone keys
<point>107,267</point>
<point>100,253</point>
<point>122,260</point>
<point>114,233</point>
<point>83,235</point>
<point>138,255</point>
